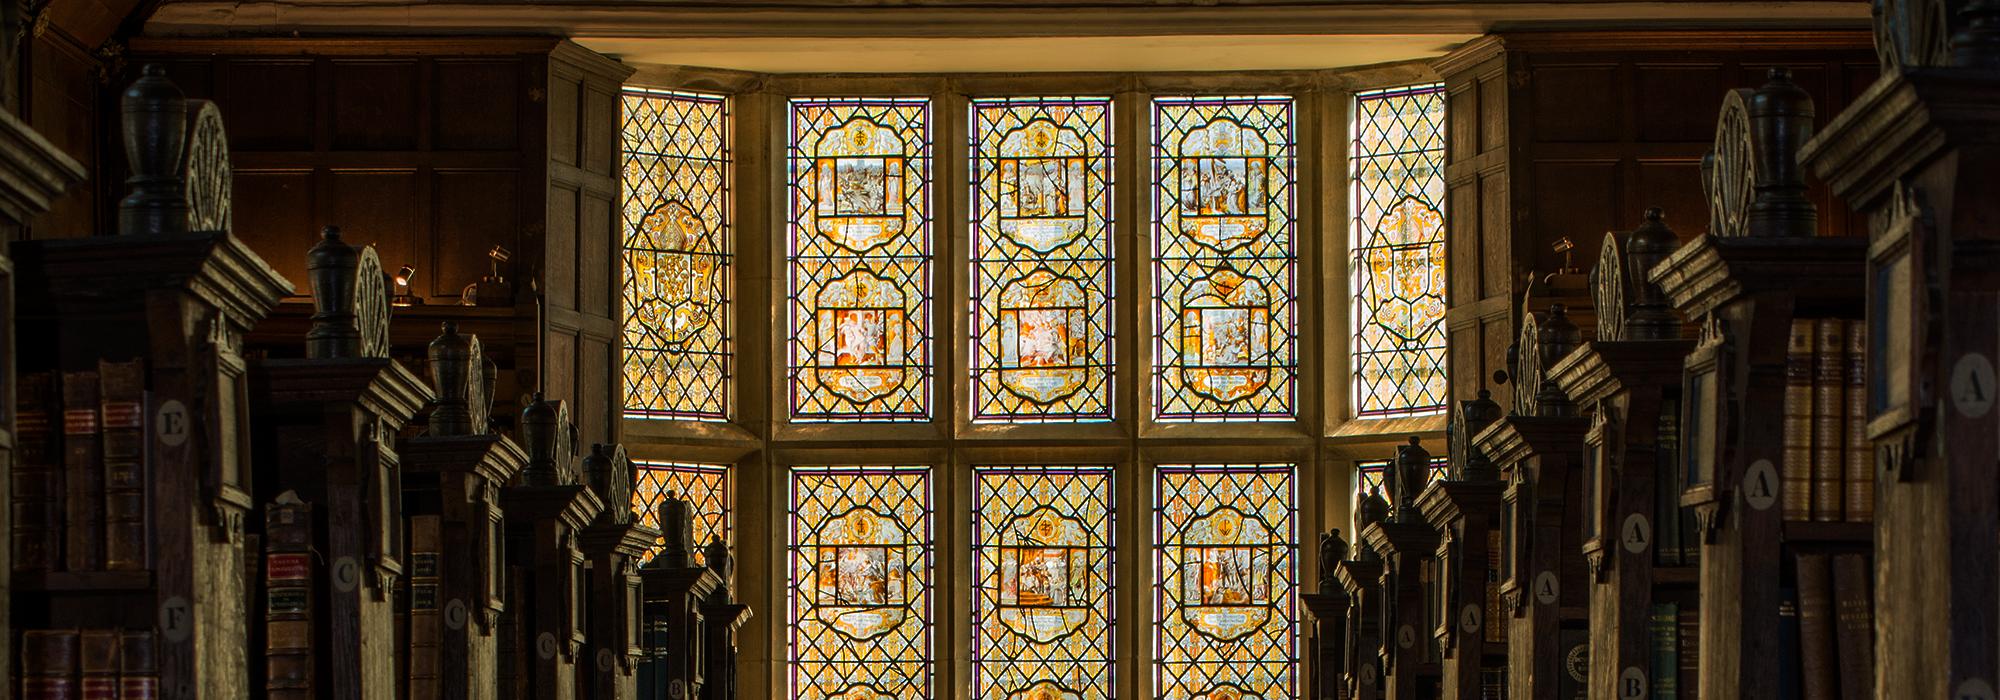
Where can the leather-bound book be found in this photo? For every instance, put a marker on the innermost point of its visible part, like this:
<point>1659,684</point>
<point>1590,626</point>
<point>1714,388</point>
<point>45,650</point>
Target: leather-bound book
<point>83,468</point>
<point>49,665</point>
<point>37,475</point>
<point>99,661</point>
<point>1818,679</point>
<point>1854,622</point>
<point>1829,418</point>
<point>288,596</point>
<point>124,410</point>
<point>1690,660</point>
<point>1663,633</point>
<point>426,631</point>
<point>1796,498</point>
<point>139,666</point>
<point>1860,476</point>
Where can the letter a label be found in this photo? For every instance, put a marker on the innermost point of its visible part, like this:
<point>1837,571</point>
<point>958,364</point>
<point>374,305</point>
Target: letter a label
<point>1636,533</point>
<point>1760,485</point>
<point>1972,385</point>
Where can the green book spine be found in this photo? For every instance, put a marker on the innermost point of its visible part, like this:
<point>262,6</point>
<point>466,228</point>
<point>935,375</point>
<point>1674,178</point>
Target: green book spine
<point>1665,629</point>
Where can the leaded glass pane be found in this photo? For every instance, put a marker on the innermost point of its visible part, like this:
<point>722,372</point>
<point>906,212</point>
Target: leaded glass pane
<point>860,583</point>
<point>704,486</point>
<point>1224,320</point>
<point>1370,475</point>
<point>860,255</point>
<point>1224,570</point>
<point>1042,571</point>
<point>677,255</point>
<point>1399,265</point>
<point>1041,208</point>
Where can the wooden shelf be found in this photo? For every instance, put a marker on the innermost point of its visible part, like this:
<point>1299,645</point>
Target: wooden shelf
<point>74,582</point>
<point>1676,575</point>
<point>1812,532</point>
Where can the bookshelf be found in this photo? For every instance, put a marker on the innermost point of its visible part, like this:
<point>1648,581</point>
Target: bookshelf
<point>1743,284</point>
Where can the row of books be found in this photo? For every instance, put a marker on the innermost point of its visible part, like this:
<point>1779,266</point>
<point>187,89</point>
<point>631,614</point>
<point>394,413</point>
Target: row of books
<point>1674,634</point>
<point>97,664</point>
<point>1675,542</point>
<point>1827,473</point>
<point>1826,645</point>
<point>79,483</point>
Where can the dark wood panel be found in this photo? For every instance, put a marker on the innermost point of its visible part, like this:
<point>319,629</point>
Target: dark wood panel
<point>1496,232</point>
<point>274,216</point>
<point>375,105</point>
<point>597,292</point>
<point>561,254</point>
<point>599,130</point>
<point>477,103</point>
<point>1464,358</point>
<point>475,211</point>
<point>593,410</point>
<point>64,106</point>
<point>1464,259</point>
<point>1677,102</point>
<point>1492,114</point>
<point>379,208</point>
<point>563,107</point>
<point>1671,185</point>
<point>1574,200</point>
<point>1462,119</point>
<point>1575,103</point>
<point>267,105</point>
<point>1495,336</point>
<point>561,367</point>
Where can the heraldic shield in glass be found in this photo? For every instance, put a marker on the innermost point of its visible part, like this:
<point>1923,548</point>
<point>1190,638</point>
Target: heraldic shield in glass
<point>1041,208</point>
<point>1225,564</point>
<point>1042,575</point>
<point>859,592</point>
<point>1399,258</point>
<point>677,255</point>
<point>704,486</point>
<point>859,280</point>
<point>1223,272</point>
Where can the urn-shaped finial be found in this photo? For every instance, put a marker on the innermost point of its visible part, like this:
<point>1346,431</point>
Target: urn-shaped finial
<point>538,436</point>
<point>451,377</point>
<point>1413,470</point>
<point>717,554</point>
<point>677,531</point>
<point>331,265</point>
<point>1648,316</point>
<point>1556,338</point>
<point>1781,121</point>
<point>1332,550</point>
<point>154,120</point>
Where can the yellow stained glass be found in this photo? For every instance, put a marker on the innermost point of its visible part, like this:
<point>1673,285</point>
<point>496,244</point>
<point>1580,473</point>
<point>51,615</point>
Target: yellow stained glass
<point>1225,567</point>
<point>859,593</point>
<point>1041,259</point>
<point>1224,317</point>
<point>1042,570</point>
<point>677,255</point>
<point>860,255</point>
<point>1398,271</point>
<point>704,486</point>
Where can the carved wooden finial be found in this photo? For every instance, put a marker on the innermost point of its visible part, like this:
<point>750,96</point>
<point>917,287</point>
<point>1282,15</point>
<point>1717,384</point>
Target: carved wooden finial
<point>1413,471</point>
<point>610,475</point>
<point>154,120</point>
<point>1332,550</point>
<point>453,359</point>
<point>1976,44</point>
<point>1558,336</point>
<point>1469,463</point>
<point>1781,121</point>
<point>677,532</point>
<point>538,437</point>
<point>1647,314</point>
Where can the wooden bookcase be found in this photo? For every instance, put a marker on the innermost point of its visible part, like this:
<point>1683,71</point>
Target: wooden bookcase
<point>1627,379</point>
<point>1915,153</point>
<point>1759,268</point>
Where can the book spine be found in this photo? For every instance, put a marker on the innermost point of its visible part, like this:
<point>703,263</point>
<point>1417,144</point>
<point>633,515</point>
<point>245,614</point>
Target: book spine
<point>426,632</point>
<point>81,465</point>
<point>124,401</point>
<point>1788,644</point>
<point>1667,544</point>
<point>49,664</point>
<point>1796,499</point>
<point>139,666</point>
<point>1829,418</point>
<point>1854,609</point>
<point>99,661</point>
<point>1690,660</point>
<point>1860,477</point>
<point>1495,629</point>
<point>1816,628</point>
<point>1665,629</point>
<point>37,477</point>
<point>288,584</point>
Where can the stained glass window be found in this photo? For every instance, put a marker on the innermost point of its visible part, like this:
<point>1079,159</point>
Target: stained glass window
<point>1042,575</point>
<point>1225,566</point>
<point>1370,476</point>
<point>1041,208</point>
<point>1398,242</point>
<point>1222,260</point>
<point>704,486</point>
<point>677,255</point>
<point>860,583</point>
<point>860,256</point>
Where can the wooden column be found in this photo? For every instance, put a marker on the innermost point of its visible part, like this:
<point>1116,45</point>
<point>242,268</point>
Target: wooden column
<point>1543,592</point>
<point>1464,513</point>
<point>1407,548</point>
<point>673,607</point>
<point>1361,579</point>
<point>614,545</point>
<point>543,524</point>
<point>1917,153</point>
<point>1327,646</point>
<point>461,477</point>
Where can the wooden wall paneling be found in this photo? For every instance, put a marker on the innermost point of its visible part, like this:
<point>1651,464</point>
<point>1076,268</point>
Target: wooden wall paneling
<point>64,104</point>
<point>478,104</point>
<point>472,214</point>
<point>580,245</point>
<point>269,105</point>
<point>375,104</point>
<point>274,209</point>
